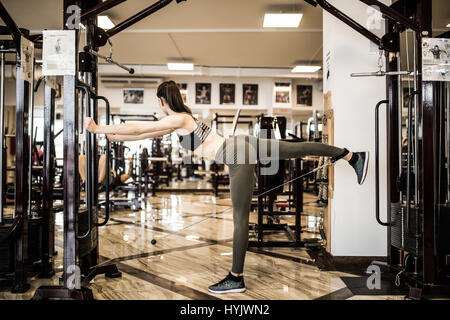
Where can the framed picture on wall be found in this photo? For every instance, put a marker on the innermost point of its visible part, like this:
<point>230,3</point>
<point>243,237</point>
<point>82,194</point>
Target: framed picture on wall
<point>133,96</point>
<point>282,92</point>
<point>183,91</point>
<point>227,93</point>
<point>250,94</point>
<point>203,93</point>
<point>304,95</point>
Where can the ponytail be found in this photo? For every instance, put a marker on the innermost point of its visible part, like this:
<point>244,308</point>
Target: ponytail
<point>171,93</point>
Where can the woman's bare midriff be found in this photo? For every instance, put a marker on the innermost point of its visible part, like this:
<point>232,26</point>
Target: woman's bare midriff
<point>209,147</point>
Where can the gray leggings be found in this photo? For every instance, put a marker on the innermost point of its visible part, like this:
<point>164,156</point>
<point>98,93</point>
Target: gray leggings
<point>242,177</point>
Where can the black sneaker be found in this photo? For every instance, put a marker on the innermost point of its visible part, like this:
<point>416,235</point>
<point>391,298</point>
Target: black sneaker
<point>229,284</point>
<point>360,165</point>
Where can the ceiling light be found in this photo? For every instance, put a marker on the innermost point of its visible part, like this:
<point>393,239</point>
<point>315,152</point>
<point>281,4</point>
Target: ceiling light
<point>448,26</point>
<point>180,66</point>
<point>105,22</point>
<point>282,20</point>
<point>306,69</point>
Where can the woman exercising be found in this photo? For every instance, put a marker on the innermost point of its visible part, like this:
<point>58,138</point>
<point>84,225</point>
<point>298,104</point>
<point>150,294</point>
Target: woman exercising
<point>239,153</point>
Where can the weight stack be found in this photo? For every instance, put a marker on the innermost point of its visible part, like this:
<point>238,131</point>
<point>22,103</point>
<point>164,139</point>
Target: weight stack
<point>400,237</point>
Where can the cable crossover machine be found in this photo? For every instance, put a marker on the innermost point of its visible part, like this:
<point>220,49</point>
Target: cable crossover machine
<point>79,69</point>
<point>418,190</point>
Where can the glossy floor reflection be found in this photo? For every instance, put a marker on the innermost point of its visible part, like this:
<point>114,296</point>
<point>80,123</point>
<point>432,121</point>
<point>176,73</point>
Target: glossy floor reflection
<point>194,250</point>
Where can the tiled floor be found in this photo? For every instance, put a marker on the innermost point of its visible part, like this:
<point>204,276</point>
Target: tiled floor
<point>193,251</point>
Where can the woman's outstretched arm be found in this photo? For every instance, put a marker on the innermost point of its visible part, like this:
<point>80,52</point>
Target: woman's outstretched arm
<point>171,122</point>
<point>130,137</point>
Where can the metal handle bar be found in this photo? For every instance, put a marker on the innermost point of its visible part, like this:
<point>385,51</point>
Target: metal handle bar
<point>111,61</point>
<point>88,163</point>
<point>108,157</point>
<point>377,164</point>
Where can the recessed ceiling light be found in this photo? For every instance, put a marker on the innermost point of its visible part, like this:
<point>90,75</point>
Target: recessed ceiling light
<point>282,20</point>
<point>105,22</point>
<point>448,26</point>
<point>306,69</point>
<point>180,66</point>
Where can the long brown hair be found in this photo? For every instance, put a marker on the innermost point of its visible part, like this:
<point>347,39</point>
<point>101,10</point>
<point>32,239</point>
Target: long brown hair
<point>171,93</point>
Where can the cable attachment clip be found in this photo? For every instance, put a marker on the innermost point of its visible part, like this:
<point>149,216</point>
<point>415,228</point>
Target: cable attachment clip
<point>397,278</point>
<point>380,61</point>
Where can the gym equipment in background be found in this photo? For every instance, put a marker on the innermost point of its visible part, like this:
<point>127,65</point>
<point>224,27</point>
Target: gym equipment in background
<point>269,187</point>
<point>26,236</point>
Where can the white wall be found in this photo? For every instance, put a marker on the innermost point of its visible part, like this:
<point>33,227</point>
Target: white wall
<point>354,230</point>
<point>266,99</point>
<point>115,97</point>
<point>265,92</point>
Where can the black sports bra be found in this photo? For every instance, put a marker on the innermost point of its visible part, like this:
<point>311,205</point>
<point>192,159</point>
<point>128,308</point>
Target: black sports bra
<point>193,140</point>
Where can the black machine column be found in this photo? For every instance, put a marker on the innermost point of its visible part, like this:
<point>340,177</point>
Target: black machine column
<point>393,141</point>
<point>21,192</point>
<point>428,151</point>
<point>2,137</point>
<point>48,225</point>
<point>71,178</point>
<point>92,81</point>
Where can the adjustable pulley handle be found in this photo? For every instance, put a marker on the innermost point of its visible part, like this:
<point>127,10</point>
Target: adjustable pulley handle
<point>380,74</point>
<point>111,61</point>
